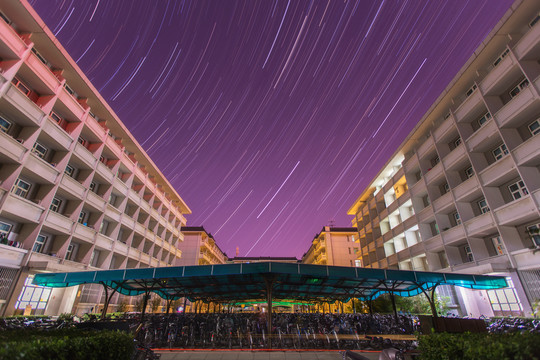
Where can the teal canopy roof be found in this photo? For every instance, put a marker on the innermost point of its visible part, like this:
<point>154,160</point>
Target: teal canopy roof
<point>248,281</point>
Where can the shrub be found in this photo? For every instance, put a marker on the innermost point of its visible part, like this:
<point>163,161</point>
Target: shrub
<point>469,346</point>
<point>71,344</point>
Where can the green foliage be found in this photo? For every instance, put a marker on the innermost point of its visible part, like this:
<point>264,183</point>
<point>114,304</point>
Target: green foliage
<point>123,306</point>
<point>69,344</point>
<point>66,317</point>
<point>155,303</point>
<point>469,346</point>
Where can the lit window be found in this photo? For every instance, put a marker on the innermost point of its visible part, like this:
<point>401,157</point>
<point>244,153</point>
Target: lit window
<point>499,152</point>
<point>4,125</point>
<point>55,205</point>
<point>39,150</point>
<point>483,206</point>
<point>534,127</point>
<point>484,119</point>
<point>33,295</point>
<point>498,245</point>
<point>522,85</point>
<point>468,253</point>
<point>39,245</point>
<point>505,300</point>
<point>534,232</point>
<point>81,218</point>
<point>469,172</point>
<point>457,218</point>
<point>518,190</point>
<point>69,171</point>
<point>21,188</point>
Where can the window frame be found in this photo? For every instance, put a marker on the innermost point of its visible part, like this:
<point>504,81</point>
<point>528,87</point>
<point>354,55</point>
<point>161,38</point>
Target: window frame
<point>486,117</point>
<point>503,152</point>
<point>520,191</point>
<point>21,191</point>
<point>468,253</point>
<point>469,172</point>
<point>3,128</point>
<point>39,246</point>
<point>457,218</point>
<point>536,130</point>
<point>534,234</point>
<point>484,209</point>
<point>3,231</point>
<point>39,153</point>
<point>82,217</point>
<point>518,88</point>
<point>55,205</point>
<point>498,244</point>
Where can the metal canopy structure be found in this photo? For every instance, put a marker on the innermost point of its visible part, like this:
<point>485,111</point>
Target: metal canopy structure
<point>219,283</point>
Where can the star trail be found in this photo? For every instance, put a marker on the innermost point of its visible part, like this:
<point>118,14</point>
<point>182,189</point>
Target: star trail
<point>270,117</point>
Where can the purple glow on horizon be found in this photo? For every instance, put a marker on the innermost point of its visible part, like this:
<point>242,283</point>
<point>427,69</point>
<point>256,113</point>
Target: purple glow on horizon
<point>270,117</point>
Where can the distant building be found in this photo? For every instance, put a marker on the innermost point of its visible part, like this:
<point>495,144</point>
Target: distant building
<point>462,193</point>
<point>77,191</point>
<point>200,248</point>
<point>335,246</point>
<point>252,259</point>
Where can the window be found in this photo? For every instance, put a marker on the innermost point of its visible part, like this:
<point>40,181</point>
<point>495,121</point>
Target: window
<point>358,263</point>
<point>69,171</point>
<point>534,232</point>
<point>499,152</point>
<point>484,119</point>
<point>82,141</point>
<point>534,127</point>
<point>94,259</point>
<point>81,218</point>
<point>5,18</point>
<point>55,205</point>
<point>93,187</point>
<point>498,245</point>
<point>425,201</point>
<point>56,117</point>
<point>103,227</point>
<point>457,141</point>
<point>22,87</point>
<point>469,172</point>
<point>4,125</point>
<point>531,24</point>
<point>70,252</point>
<point>112,199</point>
<point>446,187</point>
<point>501,57</point>
<point>21,188</point>
<point>483,206</point>
<point>70,91</point>
<point>522,85</point>
<point>35,296</point>
<point>39,245</point>
<point>457,218</point>
<point>505,299</point>
<point>40,57</point>
<point>5,229</point>
<point>39,150</point>
<point>349,251</point>
<point>468,253</point>
<point>435,161</point>
<point>471,90</point>
<point>518,190</point>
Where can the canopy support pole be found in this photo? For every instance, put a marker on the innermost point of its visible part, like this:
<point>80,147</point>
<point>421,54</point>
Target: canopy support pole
<point>145,303</point>
<point>370,306</point>
<point>269,281</point>
<point>393,298</point>
<point>107,299</point>
<point>353,306</point>
<point>169,303</point>
<point>431,300</point>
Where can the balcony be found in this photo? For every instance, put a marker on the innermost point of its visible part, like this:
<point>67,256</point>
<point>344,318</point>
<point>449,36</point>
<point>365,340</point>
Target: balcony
<point>434,173</point>
<point>24,105</point>
<point>417,188</point>
<point>95,201</point>
<point>113,213</point>
<point>411,164</point>
<point>97,129</point>
<point>57,133</point>
<point>145,258</point>
<point>121,248</point>
<point>498,172</point>
<point>42,168</point>
<point>10,256</point>
<point>528,44</point>
<point>516,212</point>
<point>43,72</point>
<point>69,101</point>
<point>114,147</point>
<point>433,243</point>
<point>10,39</point>
<point>58,222</point>
<point>104,171</point>
<point>528,153</point>
<point>497,74</point>
<point>468,104</point>
<point>441,130</point>
<point>128,221</point>
<point>467,190</point>
<point>85,155</point>
<point>481,225</point>
<point>453,158</point>
<point>425,147</point>
<point>453,234</point>
<point>84,233</point>
<point>133,196</point>
<point>104,242</point>
<point>525,102</point>
<point>72,186</point>
<point>478,139</point>
<point>145,206</point>
<point>425,215</point>
<point>140,229</point>
<point>443,202</point>
<point>120,185</point>
<point>24,210</point>
<point>11,148</point>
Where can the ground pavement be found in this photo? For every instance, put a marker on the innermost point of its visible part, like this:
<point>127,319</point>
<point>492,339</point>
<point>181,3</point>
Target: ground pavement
<point>258,355</point>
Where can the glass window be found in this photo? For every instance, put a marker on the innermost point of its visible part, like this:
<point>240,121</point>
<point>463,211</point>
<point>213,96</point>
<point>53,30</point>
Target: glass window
<point>523,84</point>
<point>471,90</point>
<point>469,172</point>
<point>35,296</point>
<point>534,20</point>
<point>484,119</point>
<point>5,228</point>
<point>505,299</point>
<point>446,188</point>
<point>498,245</point>
<point>518,190</point>
<point>55,204</point>
<point>22,87</point>
<point>501,57</point>
<point>69,251</point>
<point>69,171</point>
<point>39,245</point>
<point>468,253</point>
<point>534,232</point>
<point>482,204</point>
<point>39,150</point>
<point>534,127</point>
<point>103,227</point>
<point>457,142</point>
<point>457,218</point>
<point>499,152</point>
<point>81,218</point>
<point>4,125</point>
<point>94,259</point>
<point>21,188</point>
<point>56,117</point>
<point>93,187</point>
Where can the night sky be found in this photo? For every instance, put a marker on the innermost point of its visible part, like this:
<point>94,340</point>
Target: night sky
<point>270,117</point>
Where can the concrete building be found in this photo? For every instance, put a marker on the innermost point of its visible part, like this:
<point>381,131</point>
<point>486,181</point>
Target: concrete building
<point>252,259</point>
<point>462,192</point>
<point>77,191</point>
<point>334,246</point>
<point>200,248</point>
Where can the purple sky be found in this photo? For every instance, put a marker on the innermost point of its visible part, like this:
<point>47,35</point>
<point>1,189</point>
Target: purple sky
<point>270,117</point>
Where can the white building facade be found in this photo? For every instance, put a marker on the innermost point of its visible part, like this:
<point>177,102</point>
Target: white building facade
<point>462,193</point>
<point>77,191</point>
